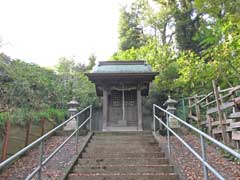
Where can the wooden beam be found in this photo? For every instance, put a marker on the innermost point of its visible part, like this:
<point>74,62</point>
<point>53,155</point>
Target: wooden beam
<point>209,121</point>
<point>203,123</point>
<point>219,131</point>
<point>235,125</point>
<point>216,123</point>
<point>201,100</point>
<point>220,114</point>
<point>237,100</point>
<point>192,117</point>
<point>224,116</point>
<point>222,107</point>
<point>235,115</point>
<point>123,103</point>
<point>197,108</point>
<point>236,135</point>
<point>190,105</point>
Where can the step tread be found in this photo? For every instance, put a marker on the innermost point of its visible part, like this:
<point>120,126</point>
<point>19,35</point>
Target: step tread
<point>151,142</point>
<point>123,169</point>
<point>122,148</point>
<point>117,133</point>
<point>122,155</point>
<point>127,165</point>
<point>123,176</point>
<point>118,161</point>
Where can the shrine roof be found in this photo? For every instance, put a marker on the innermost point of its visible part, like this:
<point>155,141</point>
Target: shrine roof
<point>110,73</point>
<point>122,67</point>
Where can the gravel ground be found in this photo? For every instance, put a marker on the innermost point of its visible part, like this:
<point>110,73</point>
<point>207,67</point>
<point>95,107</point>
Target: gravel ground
<point>54,168</point>
<point>191,167</point>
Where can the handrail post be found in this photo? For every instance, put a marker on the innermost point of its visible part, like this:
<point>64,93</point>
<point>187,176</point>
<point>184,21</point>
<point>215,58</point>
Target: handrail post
<point>40,141</point>
<point>203,158</point>
<point>41,151</point>
<point>154,120</point>
<point>168,136</point>
<point>90,121</point>
<point>203,148</point>
<point>184,110</point>
<point>77,120</point>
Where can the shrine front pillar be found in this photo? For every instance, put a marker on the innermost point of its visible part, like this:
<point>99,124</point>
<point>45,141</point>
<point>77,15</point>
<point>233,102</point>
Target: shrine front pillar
<point>139,109</point>
<point>105,109</point>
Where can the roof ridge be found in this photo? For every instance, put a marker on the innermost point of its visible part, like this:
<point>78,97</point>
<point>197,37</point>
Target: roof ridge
<point>138,62</point>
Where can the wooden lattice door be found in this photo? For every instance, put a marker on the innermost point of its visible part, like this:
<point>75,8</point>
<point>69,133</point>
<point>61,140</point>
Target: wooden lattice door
<point>115,108</point>
<point>130,107</point>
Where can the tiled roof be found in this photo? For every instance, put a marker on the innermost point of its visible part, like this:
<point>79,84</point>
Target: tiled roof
<point>122,67</point>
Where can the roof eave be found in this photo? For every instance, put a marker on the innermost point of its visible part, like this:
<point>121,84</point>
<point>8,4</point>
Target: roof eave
<point>121,74</point>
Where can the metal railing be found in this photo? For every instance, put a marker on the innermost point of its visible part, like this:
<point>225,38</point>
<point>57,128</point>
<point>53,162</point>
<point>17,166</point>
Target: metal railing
<point>40,141</point>
<point>203,136</point>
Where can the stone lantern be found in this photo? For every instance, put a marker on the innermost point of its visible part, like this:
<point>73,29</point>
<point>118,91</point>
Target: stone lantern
<point>71,125</point>
<point>171,107</point>
<point>73,104</point>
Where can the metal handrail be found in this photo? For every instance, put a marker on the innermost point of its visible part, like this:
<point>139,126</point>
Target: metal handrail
<point>41,140</point>
<point>203,136</point>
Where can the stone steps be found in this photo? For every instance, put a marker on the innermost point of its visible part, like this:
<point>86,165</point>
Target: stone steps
<point>123,133</point>
<point>128,176</point>
<point>123,168</point>
<point>121,149</point>
<point>124,139</point>
<point>123,136</point>
<point>126,142</point>
<point>123,143</point>
<point>126,160</point>
<point>123,156</point>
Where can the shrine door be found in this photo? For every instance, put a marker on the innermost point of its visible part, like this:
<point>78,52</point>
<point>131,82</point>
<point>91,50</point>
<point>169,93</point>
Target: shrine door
<point>122,108</point>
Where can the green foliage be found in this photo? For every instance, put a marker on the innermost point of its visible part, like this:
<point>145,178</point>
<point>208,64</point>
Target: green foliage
<point>75,84</point>
<point>190,43</point>
<point>4,116</point>
<point>21,116</point>
<point>58,115</point>
<point>29,92</point>
<point>130,31</point>
<point>92,62</point>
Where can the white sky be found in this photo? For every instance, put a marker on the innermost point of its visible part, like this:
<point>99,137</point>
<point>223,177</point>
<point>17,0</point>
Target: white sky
<point>42,31</point>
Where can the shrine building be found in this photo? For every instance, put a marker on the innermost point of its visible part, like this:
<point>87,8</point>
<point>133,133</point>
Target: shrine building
<point>122,84</point>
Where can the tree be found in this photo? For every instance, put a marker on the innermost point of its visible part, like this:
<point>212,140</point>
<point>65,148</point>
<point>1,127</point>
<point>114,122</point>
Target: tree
<point>32,94</point>
<point>91,62</point>
<point>76,84</point>
<point>131,33</point>
<point>193,43</point>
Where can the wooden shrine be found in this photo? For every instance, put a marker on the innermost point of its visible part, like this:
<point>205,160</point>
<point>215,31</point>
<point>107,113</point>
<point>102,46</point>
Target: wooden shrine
<point>122,84</point>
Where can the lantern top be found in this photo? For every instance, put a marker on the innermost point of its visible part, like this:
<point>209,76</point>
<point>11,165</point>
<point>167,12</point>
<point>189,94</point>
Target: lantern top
<point>73,103</point>
<point>170,101</point>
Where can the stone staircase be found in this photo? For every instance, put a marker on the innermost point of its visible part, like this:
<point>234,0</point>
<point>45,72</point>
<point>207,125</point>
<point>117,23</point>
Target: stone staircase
<point>123,156</point>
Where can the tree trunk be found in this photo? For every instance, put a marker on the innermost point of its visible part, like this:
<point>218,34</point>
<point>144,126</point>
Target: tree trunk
<point>28,128</point>
<point>42,126</point>
<point>6,140</point>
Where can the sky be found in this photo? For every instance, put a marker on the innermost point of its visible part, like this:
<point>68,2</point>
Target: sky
<point>42,31</point>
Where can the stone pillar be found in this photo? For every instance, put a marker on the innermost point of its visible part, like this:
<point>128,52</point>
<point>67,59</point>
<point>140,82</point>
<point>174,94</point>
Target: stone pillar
<point>105,109</point>
<point>71,125</point>
<point>139,109</point>
<point>171,103</point>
